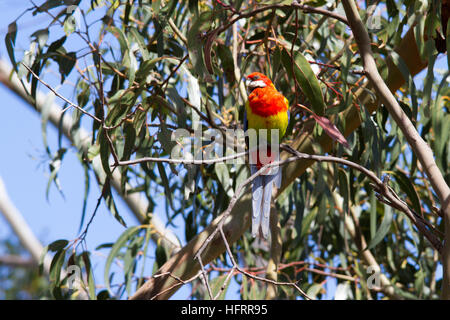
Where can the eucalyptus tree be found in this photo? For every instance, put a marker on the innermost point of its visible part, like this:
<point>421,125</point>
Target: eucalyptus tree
<point>159,90</point>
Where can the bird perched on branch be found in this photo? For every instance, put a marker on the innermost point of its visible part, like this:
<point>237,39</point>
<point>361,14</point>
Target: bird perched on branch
<point>265,122</point>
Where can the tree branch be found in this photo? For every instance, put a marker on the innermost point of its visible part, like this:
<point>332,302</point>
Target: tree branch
<point>17,261</point>
<point>21,227</point>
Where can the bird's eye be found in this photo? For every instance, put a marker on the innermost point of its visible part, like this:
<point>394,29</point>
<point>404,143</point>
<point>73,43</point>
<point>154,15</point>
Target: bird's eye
<point>255,77</point>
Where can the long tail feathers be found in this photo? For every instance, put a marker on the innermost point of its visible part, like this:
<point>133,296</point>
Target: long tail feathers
<point>257,197</point>
<point>261,200</point>
<point>267,196</point>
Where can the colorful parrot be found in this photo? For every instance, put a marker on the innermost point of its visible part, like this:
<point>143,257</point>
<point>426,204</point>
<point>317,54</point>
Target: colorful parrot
<point>266,108</point>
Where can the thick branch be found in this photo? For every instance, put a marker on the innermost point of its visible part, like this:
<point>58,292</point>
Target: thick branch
<point>21,227</point>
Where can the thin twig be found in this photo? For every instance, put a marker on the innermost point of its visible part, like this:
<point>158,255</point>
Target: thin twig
<point>177,31</point>
<point>205,277</point>
<point>60,96</point>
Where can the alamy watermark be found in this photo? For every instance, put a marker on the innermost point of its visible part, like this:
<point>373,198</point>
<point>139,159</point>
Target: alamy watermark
<point>374,20</point>
<point>373,281</point>
<point>73,277</point>
<point>74,18</point>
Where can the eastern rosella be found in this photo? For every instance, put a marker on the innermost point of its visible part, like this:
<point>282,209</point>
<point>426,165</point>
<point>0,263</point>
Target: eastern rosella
<point>266,108</point>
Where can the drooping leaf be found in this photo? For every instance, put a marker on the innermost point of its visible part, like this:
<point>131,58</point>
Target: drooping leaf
<point>57,245</point>
<point>165,183</point>
<point>90,275</point>
<point>331,130</point>
<point>118,245</point>
<point>223,175</point>
<point>56,266</point>
<point>10,42</point>
<point>299,69</point>
<point>383,228</point>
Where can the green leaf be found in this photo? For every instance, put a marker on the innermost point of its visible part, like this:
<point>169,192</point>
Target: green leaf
<point>307,221</point>
<point>227,63</point>
<point>276,61</point>
<point>86,192</point>
<point>56,266</point>
<point>344,189</point>
<point>383,229</point>
<point>193,7</point>
<point>10,42</point>
<point>130,139</point>
<point>93,151</point>
<point>120,36</point>
<point>165,138</point>
<point>165,183</point>
<point>107,195</point>
<point>104,151</point>
<point>400,64</point>
<point>57,245</point>
<point>156,5</point>
<point>373,215</point>
<point>129,61</point>
<point>141,43</point>
<point>90,275</point>
<point>54,46</point>
<point>222,172</point>
<point>103,295</point>
<point>120,98</point>
<point>391,8</point>
<point>46,107</point>
<point>83,95</point>
<point>255,291</point>
<point>314,290</point>
<point>66,62</point>
<point>427,86</point>
<point>118,245</point>
<point>160,255</point>
<point>54,166</point>
<point>300,68</point>
<point>200,24</point>
<point>244,288</point>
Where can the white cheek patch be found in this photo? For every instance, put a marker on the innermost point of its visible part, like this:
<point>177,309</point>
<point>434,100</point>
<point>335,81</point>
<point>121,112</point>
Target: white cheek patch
<point>257,84</point>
